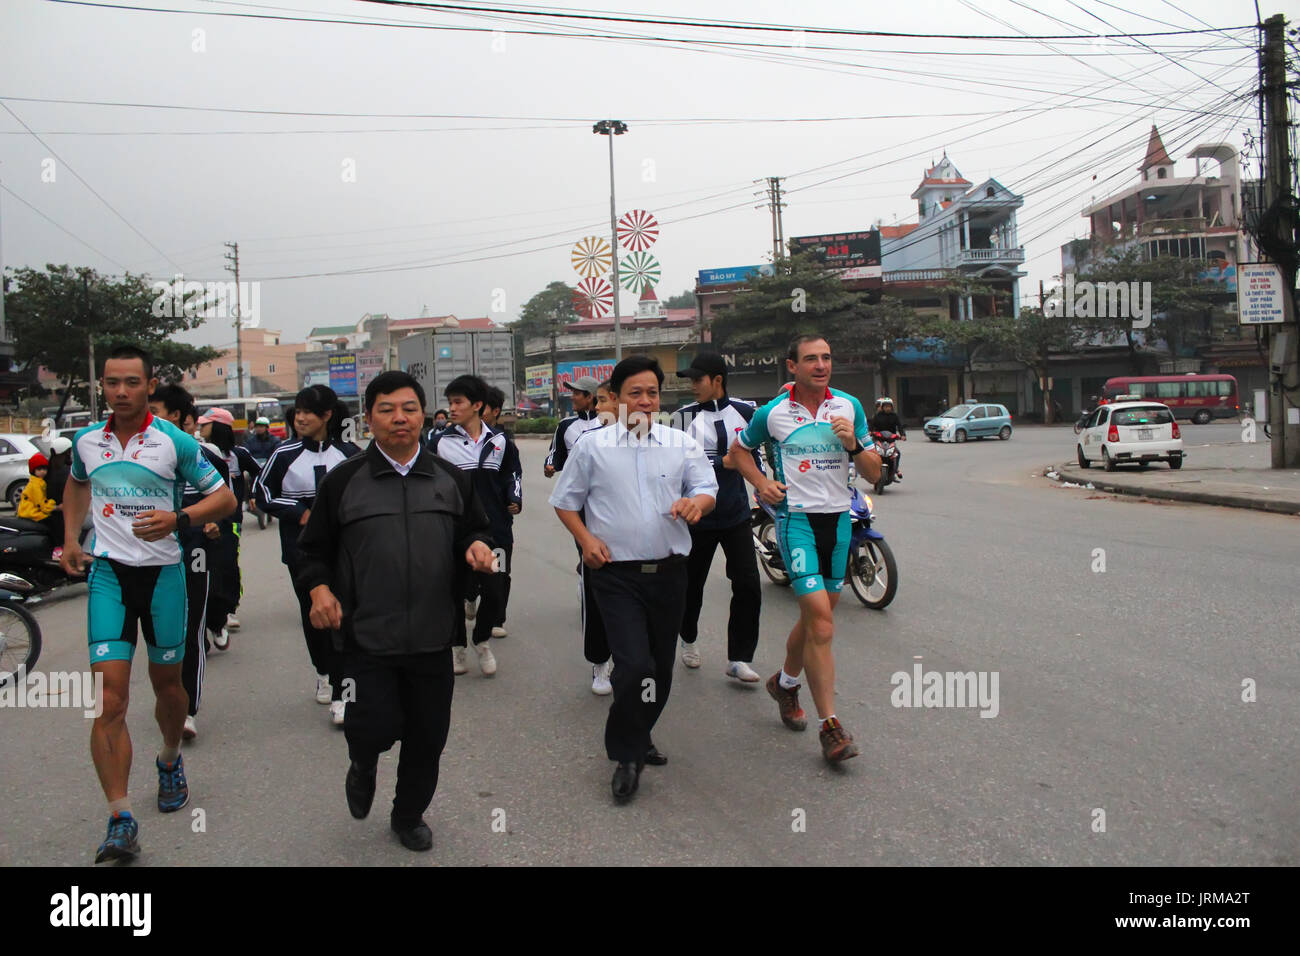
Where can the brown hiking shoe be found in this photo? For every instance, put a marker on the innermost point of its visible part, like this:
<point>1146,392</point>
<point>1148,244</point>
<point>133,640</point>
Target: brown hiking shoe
<point>792,714</point>
<point>837,743</point>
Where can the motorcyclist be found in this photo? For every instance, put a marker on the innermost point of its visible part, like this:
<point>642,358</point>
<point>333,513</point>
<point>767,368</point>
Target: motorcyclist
<point>260,443</point>
<point>887,420</point>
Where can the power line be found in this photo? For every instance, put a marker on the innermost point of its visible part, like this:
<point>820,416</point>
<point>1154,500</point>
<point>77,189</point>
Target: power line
<point>758,27</point>
<point>61,228</point>
<point>83,182</point>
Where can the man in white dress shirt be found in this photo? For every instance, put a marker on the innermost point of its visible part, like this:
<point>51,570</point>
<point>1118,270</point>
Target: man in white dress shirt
<point>642,486</point>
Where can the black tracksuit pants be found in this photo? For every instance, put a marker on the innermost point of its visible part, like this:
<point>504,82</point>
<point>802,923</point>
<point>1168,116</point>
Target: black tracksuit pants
<point>644,609</point>
<point>746,593</point>
<point>196,651</point>
<point>491,590</point>
<point>320,645</point>
<point>404,697</point>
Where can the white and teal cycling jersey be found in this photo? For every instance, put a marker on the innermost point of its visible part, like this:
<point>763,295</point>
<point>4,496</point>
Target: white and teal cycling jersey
<point>149,473</point>
<point>803,450</point>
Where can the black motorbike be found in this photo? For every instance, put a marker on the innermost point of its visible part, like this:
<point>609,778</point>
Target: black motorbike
<point>29,558</point>
<point>888,459</point>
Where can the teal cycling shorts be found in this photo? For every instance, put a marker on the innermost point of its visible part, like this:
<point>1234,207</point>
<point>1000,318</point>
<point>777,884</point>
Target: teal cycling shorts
<point>815,549</point>
<point>125,599</point>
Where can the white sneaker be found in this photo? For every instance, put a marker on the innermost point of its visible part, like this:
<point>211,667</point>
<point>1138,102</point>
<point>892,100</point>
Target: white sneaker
<point>500,632</point>
<point>743,672</point>
<point>336,712</point>
<point>191,729</point>
<point>458,665</point>
<point>486,661</point>
<point>600,684</point>
<point>232,622</point>
<point>690,655</point>
<point>221,641</point>
<point>471,609</point>
<point>323,689</point>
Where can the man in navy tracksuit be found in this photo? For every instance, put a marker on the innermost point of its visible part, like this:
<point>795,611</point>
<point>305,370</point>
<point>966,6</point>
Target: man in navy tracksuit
<point>512,474</point>
<point>714,420</point>
<point>470,445</point>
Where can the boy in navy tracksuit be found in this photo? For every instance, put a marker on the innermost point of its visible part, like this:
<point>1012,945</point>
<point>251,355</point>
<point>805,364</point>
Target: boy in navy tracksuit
<point>512,477</point>
<point>471,445</point>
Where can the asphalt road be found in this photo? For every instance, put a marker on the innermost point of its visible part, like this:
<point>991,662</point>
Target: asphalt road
<point>1118,691</point>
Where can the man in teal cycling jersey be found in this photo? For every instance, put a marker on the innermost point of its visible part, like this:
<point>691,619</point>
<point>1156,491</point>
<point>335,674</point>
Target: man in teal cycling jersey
<point>132,470</point>
<point>811,432</point>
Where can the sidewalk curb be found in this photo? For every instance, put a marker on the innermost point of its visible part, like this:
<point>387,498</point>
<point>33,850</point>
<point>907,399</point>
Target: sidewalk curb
<point>1078,476</point>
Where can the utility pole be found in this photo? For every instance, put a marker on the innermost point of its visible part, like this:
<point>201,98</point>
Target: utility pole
<point>612,128</point>
<point>233,258</point>
<point>555,378</point>
<point>90,340</point>
<point>1278,241</point>
<point>773,193</point>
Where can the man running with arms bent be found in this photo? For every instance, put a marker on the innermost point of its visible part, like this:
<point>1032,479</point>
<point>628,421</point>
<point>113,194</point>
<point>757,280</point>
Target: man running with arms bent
<point>812,432</point>
<point>131,470</point>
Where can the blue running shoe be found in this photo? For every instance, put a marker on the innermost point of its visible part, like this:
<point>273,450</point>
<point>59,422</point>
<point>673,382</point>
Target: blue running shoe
<point>121,842</point>
<point>173,791</point>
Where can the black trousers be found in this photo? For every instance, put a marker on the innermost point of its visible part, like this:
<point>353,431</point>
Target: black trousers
<point>509,549</point>
<point>196,657</point>
<point>746,592</point>
<point>404,697</point>
<point>490,589</point>
<point>320,645</point>
<point>643,609</point>
<point>595,645</point>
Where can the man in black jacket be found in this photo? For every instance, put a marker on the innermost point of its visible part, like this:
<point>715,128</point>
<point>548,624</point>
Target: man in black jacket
<point>383,556</point>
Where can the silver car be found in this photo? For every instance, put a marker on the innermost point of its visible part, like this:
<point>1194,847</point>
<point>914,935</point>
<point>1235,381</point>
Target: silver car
<point>15,452</point>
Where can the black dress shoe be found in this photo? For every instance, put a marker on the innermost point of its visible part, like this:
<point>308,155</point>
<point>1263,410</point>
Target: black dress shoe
<point>360,789</point>
<point>627,776</point>
<point>654,758</point>
<point>418,837</point>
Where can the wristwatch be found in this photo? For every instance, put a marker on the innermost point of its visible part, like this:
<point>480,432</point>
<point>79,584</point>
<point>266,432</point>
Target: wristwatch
<point>182,521</point>
<point>857,451</point>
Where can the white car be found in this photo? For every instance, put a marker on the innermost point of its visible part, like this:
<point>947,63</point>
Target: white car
<point>1122,432</point>
<point>15,452</point>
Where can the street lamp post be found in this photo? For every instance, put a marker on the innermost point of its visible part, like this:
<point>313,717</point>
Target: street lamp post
<point>612,128</point>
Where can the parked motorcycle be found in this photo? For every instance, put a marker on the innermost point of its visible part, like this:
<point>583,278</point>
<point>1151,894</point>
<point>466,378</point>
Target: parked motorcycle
<point>872,571</point>
<point>20,637</point>
<point>885,445</point>
<point>29,558</point>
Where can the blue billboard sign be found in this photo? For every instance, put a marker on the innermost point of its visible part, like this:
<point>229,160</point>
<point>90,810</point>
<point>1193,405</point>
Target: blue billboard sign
<point>731,275</point>
<point>343,373</point>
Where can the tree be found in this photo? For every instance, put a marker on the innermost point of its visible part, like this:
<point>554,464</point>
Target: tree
<point>55,312</point>
<point>684,300</point>
<point>802,296</point>
<point>545,313</point>
<point>1181,305</point>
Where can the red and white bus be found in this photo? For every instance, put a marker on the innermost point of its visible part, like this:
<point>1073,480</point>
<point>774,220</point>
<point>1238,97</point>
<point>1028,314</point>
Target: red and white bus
<point>1196,397</point>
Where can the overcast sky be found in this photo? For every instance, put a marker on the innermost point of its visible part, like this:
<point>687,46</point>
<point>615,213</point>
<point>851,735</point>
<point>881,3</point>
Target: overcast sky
<point>493,157</point>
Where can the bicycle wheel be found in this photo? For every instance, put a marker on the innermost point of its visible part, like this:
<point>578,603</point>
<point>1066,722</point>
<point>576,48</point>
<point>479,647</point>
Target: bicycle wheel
<point>20,641</point>
<point>873,573</point>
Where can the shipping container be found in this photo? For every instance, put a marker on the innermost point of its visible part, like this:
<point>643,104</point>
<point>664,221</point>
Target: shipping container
<point>435,358</point>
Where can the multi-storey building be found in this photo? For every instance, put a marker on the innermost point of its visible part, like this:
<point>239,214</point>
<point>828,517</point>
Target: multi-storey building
<point>1198,216</point>
<point>960,260</point>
